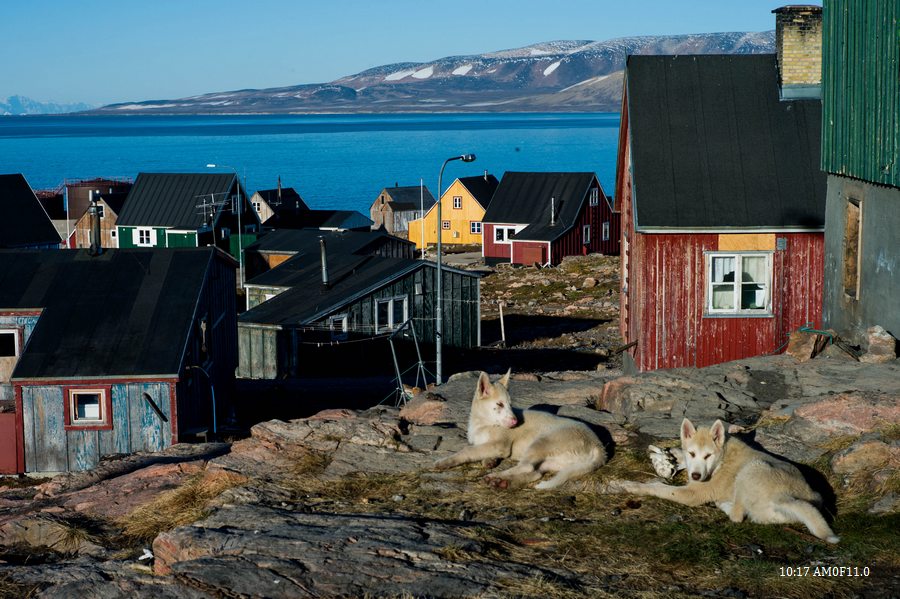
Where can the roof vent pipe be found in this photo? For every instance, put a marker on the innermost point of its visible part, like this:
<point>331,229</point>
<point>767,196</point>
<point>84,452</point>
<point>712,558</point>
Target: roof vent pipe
<point>552,211</point>
<point>485,175</point>
<point>324,262</point>
<point>96,246</point>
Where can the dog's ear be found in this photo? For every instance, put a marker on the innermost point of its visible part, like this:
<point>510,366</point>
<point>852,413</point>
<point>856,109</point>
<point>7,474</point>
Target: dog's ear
<point>717,430</point>
<point>504,380</point>
<point>484,386</point>
<point>687,430</point>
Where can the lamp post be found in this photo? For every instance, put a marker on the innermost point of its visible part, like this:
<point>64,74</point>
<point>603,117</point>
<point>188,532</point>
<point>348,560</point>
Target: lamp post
<point>240,208</point>
<point>439,322</point>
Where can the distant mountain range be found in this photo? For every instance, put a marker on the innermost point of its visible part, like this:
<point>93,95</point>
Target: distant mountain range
<point>559,76</point>
<point>23,105</point>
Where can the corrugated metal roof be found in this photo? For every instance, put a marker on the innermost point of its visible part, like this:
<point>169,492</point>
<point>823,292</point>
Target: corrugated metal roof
<point>713,147</point>
<point>525,198</point>
<point>288,218</point>
<point>409,197</point>
<point>306,241</point>
<point>172,199</point>
<point>861,90</point>
<point>126,312</point>
<point>23,221</point>
<point>289,197</point>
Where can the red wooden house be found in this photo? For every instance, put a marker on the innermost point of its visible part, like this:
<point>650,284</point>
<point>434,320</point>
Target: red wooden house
<point>722,206</point>
<point>543,217</point>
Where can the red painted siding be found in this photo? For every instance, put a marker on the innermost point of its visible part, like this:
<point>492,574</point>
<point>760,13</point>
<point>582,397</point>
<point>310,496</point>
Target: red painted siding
<point>9,444</point>
<point>526,252</point>
<point>668,296</point>
<point>491,249</point>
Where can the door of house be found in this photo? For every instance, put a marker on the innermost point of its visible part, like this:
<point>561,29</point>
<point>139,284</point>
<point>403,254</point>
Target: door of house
<point>9,448</point>
<point>532,254</point>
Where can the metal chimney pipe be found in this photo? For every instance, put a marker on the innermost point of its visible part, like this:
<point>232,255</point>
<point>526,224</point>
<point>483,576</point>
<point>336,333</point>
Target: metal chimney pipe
<point>96,246</point>
<point>324,262</point>
<point>552,211</point>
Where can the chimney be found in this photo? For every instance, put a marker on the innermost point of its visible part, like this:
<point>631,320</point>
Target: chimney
<point>96,247</point>
<point>324,263</point>
<point>485,175</point>
<point>552,211</point>
<point>279,190</point>
<point>798,45</point>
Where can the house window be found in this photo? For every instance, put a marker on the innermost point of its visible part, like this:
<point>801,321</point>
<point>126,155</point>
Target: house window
<point>445,224</point>
<point>475,227</point>
<point>595,196</point>
<point>605,231</point>
<point>100,211</point>
<point>9,344</point>
<point>739,283</point>
<point>257,206</point>
<point>88,408</point>
<point>852,229</point>
<point>586,234</point>
<point>112,233</point>
<point>390,313</point>
<point>457,202</point>
<point>145,237</point>
<point>504,235</point>
<point>338,326</point>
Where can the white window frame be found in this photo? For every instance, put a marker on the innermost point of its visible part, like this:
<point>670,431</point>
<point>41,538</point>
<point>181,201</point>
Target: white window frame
<point>338,333</point>
<point>605,231</point>
<point>150,234</point>
<point>15,334</point>
<point>506,232</point>
<point>73,408</point>
<point>595,196</point>
<point>390,325</point>
<point>766,310</point>
<point>457,202</point>
<point>100,211</point>
<point>475,227</point>
<point>585,234</point>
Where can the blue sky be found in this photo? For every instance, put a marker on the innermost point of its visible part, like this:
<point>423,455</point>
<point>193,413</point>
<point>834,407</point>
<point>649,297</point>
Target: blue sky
<point>102,51</point>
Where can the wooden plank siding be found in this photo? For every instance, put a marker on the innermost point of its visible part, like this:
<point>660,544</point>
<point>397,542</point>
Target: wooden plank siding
<point>460,220</point>
<point>667,293</point>
<point>490,248</point>
<point>49,447</point>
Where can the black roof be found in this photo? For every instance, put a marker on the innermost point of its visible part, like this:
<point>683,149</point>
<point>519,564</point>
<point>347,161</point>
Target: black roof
<point>306,241</point>
<point>127,312</point>
<point>23,221</point>
<point>410,197</point>
<point>289,197</point>
<point>289,218</point>
<point>115,200</point>
<point>172,199</point>
<point>350,277</point>
<point>482,188</point>
<point>713,147</point>
<point>525,198</point>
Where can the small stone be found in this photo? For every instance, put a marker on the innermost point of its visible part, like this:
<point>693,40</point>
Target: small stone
<point>589,283</point>
<point>398,498</point>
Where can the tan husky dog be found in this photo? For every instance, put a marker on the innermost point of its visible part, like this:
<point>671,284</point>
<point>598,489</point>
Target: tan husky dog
<point>540,442</point>
<point>740,480</point>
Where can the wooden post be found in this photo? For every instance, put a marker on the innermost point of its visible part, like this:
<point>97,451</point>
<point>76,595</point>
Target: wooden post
<point>502,327</point>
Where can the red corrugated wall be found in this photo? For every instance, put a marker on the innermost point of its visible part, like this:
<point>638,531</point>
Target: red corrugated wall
<point>667,298</point>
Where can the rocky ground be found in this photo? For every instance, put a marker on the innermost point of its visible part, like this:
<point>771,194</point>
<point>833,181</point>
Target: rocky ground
<point>345,503</point>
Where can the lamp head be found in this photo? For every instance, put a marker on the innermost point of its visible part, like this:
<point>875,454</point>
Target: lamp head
<point>467,157</point>
<point>211,166</point>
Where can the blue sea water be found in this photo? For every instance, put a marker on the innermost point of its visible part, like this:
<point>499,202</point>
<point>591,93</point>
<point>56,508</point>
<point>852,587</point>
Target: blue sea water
<point>333,161</point>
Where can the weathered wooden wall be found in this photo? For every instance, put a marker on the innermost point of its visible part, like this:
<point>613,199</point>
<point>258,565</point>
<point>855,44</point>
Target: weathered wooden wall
<point>49,447</point>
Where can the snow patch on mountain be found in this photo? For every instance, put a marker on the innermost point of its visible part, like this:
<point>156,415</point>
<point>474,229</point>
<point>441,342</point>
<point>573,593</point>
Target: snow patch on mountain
<point>397,76</point>
<point>551,68</point>
<point>424,73</point>
<point>463,70</point>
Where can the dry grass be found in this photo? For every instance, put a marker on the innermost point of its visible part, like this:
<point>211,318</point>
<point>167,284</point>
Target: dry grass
<point>9,588</point>
<point>178,507</point>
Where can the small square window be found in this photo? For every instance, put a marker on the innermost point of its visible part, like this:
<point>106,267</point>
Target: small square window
<point>145,237</point>
<point>499,234</point>
<point>390,313</point>
<point>445,224</point>
<point>338,326</point>
<point>9,344</point>
<point>475,228</point>
<point>88,408</point>
<point>112,233</point>
<point>739,284</point>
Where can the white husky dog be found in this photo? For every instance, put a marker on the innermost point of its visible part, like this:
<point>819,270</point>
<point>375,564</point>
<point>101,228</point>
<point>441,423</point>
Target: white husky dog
<point>540,442</point>
<point>740,480</point>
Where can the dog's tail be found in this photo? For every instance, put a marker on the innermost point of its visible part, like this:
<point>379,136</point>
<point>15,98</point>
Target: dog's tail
<point>799,510</point>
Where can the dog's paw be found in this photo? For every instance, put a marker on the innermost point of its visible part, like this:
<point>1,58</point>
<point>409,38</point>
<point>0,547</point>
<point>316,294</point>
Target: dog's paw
<point>664,461</point>
<point>496,481</point>
<point>490,463</point>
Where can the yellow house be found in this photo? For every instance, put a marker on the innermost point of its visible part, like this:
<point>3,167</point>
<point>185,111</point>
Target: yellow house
<point>462,208</point>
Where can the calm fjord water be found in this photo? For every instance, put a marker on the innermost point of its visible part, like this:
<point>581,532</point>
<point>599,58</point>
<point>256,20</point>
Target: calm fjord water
<point>333,161</point>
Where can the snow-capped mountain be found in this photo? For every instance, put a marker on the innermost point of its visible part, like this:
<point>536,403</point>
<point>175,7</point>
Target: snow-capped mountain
<point>23,105</point>
<point>565,75</point>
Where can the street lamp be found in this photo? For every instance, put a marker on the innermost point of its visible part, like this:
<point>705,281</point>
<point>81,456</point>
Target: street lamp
<point>240,208</point>
<point>439,323</point>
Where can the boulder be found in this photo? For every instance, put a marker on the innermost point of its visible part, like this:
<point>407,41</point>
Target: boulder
<point>426,409</point>
<point>866,455</point>
<point>881,347</point>
<point>589,283</point>
<point>802,345</point>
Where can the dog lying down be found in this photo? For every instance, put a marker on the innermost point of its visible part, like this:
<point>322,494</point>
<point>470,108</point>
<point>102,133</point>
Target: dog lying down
<point>539,441</point>
<point>743,482</point>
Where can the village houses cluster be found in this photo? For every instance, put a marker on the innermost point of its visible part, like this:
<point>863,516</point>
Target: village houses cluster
<point>754,194</point>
